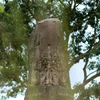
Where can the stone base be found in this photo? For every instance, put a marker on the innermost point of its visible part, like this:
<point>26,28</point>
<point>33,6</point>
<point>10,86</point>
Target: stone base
<point>47,93</point>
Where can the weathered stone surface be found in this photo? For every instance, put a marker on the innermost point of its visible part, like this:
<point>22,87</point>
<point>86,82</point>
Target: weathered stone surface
<point>47,71</point>
<point>47,93</point>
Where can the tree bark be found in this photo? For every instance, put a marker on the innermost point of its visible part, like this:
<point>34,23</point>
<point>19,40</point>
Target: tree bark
<point>47,79</point>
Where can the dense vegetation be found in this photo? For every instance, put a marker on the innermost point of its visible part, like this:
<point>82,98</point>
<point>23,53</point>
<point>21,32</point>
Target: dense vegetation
<point>81,25</point>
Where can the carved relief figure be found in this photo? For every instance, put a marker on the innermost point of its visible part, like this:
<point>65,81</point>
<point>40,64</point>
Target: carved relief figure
<point>48,67</point>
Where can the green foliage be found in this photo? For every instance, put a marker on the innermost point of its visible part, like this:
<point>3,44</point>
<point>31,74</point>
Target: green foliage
<point>18,18</point>
<point>1,9</point>
<point>92,92</point>
<point>13,50</point>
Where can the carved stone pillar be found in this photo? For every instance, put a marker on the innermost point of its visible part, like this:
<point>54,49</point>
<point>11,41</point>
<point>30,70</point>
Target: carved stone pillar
<point>47,64</point>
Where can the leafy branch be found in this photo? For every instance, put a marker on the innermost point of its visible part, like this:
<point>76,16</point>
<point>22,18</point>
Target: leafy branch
<point>91,78</point>
<point>81,56</point>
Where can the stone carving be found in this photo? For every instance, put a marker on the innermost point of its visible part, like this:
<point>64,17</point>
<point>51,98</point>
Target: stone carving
<point>46,46</point>
<point>48,65</point>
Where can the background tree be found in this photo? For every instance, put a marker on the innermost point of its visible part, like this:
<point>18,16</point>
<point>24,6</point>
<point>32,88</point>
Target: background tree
<point>18,19</point>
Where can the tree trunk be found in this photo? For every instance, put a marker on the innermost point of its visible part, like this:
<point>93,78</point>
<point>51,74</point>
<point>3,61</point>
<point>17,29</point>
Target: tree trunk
<point>48,74</point>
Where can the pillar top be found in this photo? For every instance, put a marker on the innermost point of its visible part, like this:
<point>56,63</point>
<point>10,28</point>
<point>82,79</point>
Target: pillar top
<point>49,19</point>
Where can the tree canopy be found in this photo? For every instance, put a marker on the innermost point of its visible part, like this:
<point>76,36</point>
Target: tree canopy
<point>81,29</point>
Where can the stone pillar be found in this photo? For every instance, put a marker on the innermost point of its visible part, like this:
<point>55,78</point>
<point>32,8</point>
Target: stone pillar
<point>47,64</point>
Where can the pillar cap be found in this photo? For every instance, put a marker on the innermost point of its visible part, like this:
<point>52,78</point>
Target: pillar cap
<point>48,19</point>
